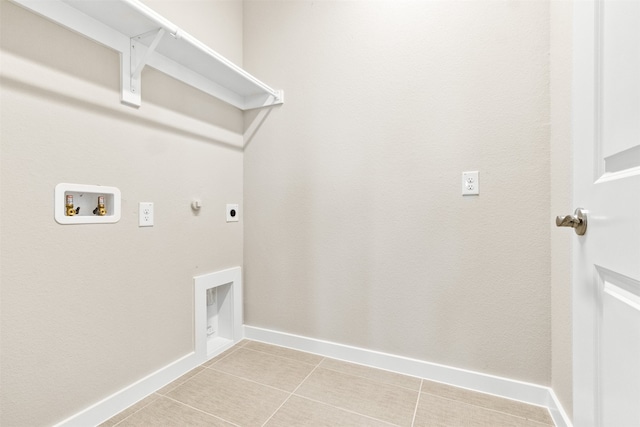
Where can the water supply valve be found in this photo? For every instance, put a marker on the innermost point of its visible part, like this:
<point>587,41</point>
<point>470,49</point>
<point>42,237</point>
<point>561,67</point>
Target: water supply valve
<point>86,204</point>
<point>70,211</point>
<point>100,209</point>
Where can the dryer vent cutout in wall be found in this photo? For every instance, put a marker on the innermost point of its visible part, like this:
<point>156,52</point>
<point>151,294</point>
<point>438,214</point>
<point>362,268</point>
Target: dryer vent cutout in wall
<point>218,312</point>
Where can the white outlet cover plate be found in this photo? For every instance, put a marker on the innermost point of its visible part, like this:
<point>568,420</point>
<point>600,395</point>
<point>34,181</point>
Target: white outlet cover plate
<point>470,183</point>
<point>233,207</point>
<point>145,214</point>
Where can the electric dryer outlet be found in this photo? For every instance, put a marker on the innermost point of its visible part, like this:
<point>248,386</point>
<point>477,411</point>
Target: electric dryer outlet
<point>233,214</point>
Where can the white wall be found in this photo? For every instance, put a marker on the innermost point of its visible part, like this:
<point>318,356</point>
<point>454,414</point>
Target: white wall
<point>355,229</point>
<point>561,200</point>
<point>89,309</point>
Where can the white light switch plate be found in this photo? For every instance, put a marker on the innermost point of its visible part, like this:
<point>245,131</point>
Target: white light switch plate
<point>470,183</point>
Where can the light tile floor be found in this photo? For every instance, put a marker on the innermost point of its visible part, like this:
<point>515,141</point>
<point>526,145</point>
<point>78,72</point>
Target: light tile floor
<point>255,384</point>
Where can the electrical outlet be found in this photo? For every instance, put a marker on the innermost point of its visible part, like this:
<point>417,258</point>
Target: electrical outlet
<point>145,214</point>
<point>233,214</point>
<point>470,183</point>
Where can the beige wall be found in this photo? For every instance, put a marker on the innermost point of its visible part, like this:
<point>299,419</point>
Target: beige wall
<point>89,309</point>
<point>561,200</point>
<point>355,229</point>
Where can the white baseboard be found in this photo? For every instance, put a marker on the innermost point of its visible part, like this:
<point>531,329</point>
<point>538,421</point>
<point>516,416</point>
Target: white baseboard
<point>132,394</point>
<point>558,413</point>
<point>121,400</point>
<point>229,334</point>
<point>511,389</point>
<point>503,387</point>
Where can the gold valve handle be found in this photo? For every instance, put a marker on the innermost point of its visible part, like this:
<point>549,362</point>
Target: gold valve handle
<point>100,209</point>
<point>69,209</point>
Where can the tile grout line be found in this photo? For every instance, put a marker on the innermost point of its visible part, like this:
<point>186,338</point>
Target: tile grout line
<point>172,389</point>
<point>182,383</point>
<point>319,364</point>
<point>211,362</point>
<point>542,423</point>
<point>415,411</point>
<point>486,407</point>
<point>342,372</point>
<point>291,393</point>
<point>247,379</point>
<point>328,404</point>
<point>308,375</point>
<point>285,357</point>
<point>371,379</point>
<point>135,412</point>
<point>492,395</point>
<point>396,385</point>
<point>276,355</point>
<point>350,411</point>
<point>315,367</point>
<point>213,368</point>
<point>200,410</point>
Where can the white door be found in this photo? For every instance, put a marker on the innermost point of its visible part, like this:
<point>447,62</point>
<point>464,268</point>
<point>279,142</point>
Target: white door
<point>606,268</point>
